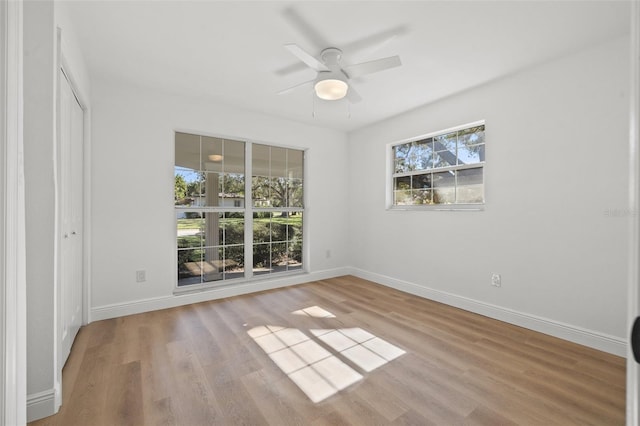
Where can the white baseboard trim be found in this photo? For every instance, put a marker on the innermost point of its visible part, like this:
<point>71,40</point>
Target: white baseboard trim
<point>170,301</point>
<point>41,405</point>
<point>590,338</point>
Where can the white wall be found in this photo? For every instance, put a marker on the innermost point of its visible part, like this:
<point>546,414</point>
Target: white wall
<point>39,140</point>
<point>133,218</point>
<point>557,138</point>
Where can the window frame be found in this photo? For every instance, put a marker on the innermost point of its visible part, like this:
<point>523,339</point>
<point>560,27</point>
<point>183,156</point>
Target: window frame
<point>390,174</point>
<point>248,210</point>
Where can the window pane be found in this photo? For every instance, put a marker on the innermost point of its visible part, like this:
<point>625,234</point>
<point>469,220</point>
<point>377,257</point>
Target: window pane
<point>261,227</point>
<point>234,262</point>
<point>470,186</point>
<point>261,258</point>
<point>279,257</point>
<point>189,266</point>
<point>260,191</point>
<point>213,264</point>
<point>445,142</point>
<point>421,181</point>
<point>444,188</point>
<point>187,187</point>
<point>400,157</point>
<point>402,190</point>
<point>471,145</point>
<point>187,151</point>
<point>190,227</point>
<point>444,159</point>
<point>260,159</point>
<point>278,162</point>
<point>422,196</point>
<point>295,195</point>
<point>402,183</point>
<point>278,192</point>
<point>421,156</point>
<point>471,136</point>
<point>212,154</point>
<point>402,198</point>
<point>233,161</point>
<point>470,154</point>
<point>212,230</point>
<point>232,190</point>
<point>294,228</point>
<point>279,227</point>
<point>295,159</point>
<point>233,228</point>
<point>211,189</point>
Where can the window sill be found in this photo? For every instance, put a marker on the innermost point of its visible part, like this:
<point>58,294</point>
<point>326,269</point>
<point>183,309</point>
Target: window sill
<point>236,282</point>
<point>440,208</point>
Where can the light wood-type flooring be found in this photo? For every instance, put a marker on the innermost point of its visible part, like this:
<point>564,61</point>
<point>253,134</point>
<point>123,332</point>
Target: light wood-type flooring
<point>368,354</point>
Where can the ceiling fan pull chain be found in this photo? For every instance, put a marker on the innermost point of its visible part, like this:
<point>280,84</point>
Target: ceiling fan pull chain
<point>313,106</point>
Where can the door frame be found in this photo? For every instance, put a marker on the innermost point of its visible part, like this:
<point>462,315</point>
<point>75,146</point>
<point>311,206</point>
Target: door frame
<point>13,355</point>
<point>633,368</point>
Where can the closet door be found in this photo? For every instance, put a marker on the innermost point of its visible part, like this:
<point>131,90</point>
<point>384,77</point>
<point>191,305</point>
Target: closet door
<point>71,219</point>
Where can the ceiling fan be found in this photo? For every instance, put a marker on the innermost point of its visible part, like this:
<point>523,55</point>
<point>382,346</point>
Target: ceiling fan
<point>333,80</point>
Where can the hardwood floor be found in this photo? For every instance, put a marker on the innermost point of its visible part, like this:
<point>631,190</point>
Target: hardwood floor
<point>216,363</point>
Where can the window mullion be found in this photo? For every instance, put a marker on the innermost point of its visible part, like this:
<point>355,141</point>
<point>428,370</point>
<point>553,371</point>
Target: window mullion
<point>248,211</point>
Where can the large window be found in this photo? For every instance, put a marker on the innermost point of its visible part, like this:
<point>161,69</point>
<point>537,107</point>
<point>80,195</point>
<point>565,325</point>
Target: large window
<point>445,168</point>
<point>231,228</point>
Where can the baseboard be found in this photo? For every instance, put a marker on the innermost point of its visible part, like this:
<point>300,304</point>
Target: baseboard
<point>592,339</point>
<point>41,405</point>
<point>171,301</point>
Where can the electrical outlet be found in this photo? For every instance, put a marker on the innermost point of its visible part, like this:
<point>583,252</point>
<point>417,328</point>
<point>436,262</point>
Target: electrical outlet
<point>328,254</point>
<point>496,280</point>
<point>141,276</point>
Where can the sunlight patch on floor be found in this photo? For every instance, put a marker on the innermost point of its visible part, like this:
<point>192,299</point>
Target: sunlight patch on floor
<point>314,311</point>
<point>318,372</point>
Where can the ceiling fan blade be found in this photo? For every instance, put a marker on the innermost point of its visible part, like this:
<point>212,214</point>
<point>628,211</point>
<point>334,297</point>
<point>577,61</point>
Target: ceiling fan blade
<point>292,88</point>
<point>305,28</point>
<point>290,69</point>
<point>353,96</point>
<point>358,70</point>
<point>367,46</point>
<point>306,57</point>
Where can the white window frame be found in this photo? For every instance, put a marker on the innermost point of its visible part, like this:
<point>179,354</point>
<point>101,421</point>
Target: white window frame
<point>248,211</point>
<point>390,174</point>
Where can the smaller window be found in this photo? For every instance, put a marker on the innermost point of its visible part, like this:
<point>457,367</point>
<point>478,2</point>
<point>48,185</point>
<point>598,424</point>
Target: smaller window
<point>445,168</point>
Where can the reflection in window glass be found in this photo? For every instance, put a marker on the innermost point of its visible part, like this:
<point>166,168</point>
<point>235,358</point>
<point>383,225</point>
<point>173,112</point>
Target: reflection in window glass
<point>442,169</point>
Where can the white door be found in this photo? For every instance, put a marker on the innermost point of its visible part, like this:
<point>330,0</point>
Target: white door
<point>71,220</point>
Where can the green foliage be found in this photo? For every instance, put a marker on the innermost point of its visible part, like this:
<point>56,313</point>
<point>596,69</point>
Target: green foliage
<point>180,188</point>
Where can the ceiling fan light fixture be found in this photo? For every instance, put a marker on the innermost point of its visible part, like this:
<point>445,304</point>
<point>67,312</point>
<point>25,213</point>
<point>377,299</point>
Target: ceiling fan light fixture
<point>331,87</point>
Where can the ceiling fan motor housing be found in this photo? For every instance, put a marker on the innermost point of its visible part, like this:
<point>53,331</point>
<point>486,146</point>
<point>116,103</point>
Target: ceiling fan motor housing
<point>331,57</point>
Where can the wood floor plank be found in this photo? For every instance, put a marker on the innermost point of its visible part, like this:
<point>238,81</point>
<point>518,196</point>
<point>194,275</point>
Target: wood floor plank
<point>217,363</point>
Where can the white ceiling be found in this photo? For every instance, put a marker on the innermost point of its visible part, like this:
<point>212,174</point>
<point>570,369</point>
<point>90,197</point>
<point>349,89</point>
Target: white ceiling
<point>232,51</point>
